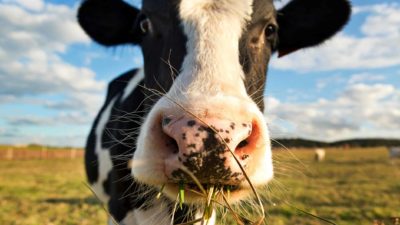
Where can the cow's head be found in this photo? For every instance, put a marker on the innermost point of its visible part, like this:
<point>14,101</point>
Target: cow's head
<point>206,60</point>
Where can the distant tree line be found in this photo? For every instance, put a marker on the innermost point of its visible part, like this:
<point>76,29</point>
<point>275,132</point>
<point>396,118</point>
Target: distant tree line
<point>285,142</point>
<point>305,143</point>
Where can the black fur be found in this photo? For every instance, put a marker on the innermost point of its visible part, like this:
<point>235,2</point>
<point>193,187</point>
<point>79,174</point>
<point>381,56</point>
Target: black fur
<point>306,23</point>
<point>91,160</point>
<point>109,22</point>
<point>119,184</point>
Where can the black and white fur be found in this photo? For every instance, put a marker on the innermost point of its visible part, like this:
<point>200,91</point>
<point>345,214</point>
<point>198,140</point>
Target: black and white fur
<point>209,56</point>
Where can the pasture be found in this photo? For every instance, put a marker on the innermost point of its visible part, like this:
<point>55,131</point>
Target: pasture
<point>351,186</point>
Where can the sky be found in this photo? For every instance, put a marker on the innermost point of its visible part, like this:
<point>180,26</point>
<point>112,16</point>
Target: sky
<point>53,77</point>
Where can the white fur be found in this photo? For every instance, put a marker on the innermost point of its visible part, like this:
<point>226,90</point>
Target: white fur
<point>213,29</point>
<point>133,83</point>
<point>103,155</point>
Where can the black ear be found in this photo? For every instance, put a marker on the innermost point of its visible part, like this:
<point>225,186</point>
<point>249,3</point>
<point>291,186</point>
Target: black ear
<point>109,22</point>
<point>305,23</point>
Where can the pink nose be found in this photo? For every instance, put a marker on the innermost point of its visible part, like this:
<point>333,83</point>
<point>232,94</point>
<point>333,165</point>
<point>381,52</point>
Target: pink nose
<point>205,146</point>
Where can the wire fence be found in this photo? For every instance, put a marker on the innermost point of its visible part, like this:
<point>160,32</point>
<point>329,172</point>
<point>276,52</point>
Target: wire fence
<point>44,153</point>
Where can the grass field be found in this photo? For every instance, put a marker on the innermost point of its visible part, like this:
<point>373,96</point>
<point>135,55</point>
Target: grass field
<point>350,187</point>
<point>46,192</point>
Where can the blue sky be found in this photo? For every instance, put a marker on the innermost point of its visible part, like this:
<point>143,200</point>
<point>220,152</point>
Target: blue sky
<point>53,78</point>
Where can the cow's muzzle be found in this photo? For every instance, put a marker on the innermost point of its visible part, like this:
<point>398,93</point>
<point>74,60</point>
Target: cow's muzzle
<point>211,149</point>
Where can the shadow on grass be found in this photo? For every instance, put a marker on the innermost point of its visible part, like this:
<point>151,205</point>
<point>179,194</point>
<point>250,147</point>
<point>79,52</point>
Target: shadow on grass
<point>72,201</point>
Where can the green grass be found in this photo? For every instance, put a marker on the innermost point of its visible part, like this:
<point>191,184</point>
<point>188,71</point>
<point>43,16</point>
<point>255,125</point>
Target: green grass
<point>34,147</point>
<point>349,187</point>
<point>46,192</point>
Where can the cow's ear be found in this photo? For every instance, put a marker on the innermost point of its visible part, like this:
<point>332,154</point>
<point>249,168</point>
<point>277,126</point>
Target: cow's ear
<point>109,22</point>
<point>306,23</point>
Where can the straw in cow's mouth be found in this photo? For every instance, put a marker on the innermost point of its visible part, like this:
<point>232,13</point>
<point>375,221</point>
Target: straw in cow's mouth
<point>226,188</point>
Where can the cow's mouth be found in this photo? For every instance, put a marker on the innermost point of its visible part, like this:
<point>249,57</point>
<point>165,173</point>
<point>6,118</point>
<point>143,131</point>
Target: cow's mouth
<point>194,193</point>
<point>222,187</point>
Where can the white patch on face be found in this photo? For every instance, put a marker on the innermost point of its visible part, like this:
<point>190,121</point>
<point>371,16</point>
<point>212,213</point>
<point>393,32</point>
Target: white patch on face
<point>103,155</point>
<point>209,86</point>
<point>212,68</point>
<point>213,29</point>
<point>133,83</point>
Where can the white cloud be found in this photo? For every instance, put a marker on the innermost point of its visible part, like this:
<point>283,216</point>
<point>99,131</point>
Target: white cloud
<point>353,79</point>
<point>63,118</point>
<point>87,103</point>
<point>384,21</point>
<point>49,75</point>
<point>377,48</point>
<point>324,82</point>
<point>361,110</point>
<point>51,29</point>
<point>365,77</point>
<point>34,5</point>
<point>35,77</point>
<point>34,34</point>
<point>367,94</point>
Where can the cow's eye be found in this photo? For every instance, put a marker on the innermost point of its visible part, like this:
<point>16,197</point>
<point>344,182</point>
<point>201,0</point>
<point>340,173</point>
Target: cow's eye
<point>270,31</point>
<point>145,25</point>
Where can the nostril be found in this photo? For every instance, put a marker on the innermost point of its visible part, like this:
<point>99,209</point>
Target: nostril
<point>173,145</point>
<point>242,144</point>
<point>250,139</point>
<point>165,121</point>
<point>171,142</point>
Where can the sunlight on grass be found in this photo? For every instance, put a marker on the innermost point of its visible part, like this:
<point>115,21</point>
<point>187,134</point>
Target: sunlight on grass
<point>354,186</point>
<point>46,192</point>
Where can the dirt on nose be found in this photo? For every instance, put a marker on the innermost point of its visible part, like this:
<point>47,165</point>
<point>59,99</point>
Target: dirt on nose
<point>208,165</point>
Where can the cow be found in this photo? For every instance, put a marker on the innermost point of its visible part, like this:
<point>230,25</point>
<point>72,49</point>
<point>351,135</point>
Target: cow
<point>394,152</point>
<point>192,117</point>
<point>319,154</point>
